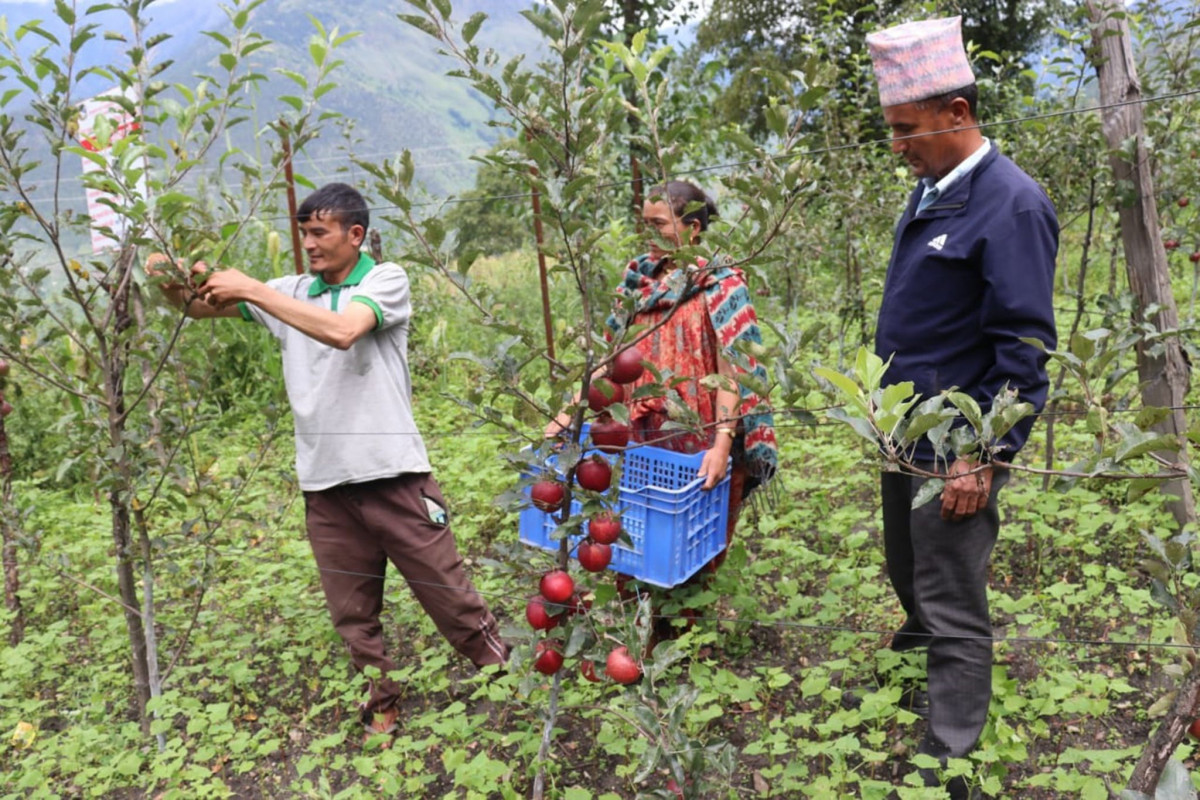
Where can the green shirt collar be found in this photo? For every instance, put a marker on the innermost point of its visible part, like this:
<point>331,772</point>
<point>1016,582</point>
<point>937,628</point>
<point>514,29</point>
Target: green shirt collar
<point>364,265</point>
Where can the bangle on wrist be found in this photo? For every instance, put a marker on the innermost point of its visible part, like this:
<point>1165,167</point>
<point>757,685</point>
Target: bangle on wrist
<point>730,432</point>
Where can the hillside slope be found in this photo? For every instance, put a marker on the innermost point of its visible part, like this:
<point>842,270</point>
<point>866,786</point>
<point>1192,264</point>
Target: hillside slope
<point>392,86</point>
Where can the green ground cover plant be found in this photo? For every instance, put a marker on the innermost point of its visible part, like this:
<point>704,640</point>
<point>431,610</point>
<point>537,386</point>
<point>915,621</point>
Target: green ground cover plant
<point>781,686</point>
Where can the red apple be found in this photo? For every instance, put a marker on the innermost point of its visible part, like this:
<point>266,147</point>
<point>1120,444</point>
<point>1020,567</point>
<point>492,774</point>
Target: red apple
<point>538,616</point>
<point>548,657</point>
<point>594,557</point>
<point>621,667</point>
<point>1194,257</point>
<point>602,393</point>
<point>1171,244</point>
<point>610,436</point>
<point>1183,202</point>
<point>674,787</point>
<point>557,587</point>
<point>605,528</point>
<point>588,670</point>
<point>627,366</point>
<point>5,408</point>
<point>1194,729</point>
<point>547,495</point>
<point>594,474</point>
<point>3,367</point>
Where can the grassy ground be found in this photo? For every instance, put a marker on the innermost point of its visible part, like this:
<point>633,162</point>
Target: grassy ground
<point>260,701</point>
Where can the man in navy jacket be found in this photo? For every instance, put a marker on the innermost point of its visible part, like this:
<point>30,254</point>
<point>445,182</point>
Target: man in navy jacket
<point>971,274</point>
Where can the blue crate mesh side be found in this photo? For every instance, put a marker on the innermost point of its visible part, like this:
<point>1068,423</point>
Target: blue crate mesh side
<point>653,466</point>
<point>673,530</point>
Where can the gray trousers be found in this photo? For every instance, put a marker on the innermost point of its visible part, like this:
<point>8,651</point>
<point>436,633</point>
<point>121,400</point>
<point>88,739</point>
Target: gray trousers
<point>939,571</point>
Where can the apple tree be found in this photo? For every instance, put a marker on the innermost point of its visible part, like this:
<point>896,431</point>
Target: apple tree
<point>81,321</point>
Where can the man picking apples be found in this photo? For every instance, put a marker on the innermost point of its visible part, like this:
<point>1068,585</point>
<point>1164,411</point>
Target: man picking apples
<point>369,493</point>
<point>971,275</point>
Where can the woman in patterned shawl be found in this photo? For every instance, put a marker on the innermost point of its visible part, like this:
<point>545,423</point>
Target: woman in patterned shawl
<point>696,313</point>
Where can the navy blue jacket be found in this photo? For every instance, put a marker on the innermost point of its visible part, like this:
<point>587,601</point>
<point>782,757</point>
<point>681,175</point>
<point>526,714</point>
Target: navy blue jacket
<point>969,277</point>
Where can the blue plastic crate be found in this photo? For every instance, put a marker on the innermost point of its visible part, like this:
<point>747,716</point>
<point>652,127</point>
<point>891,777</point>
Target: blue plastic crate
<point>674,526</point>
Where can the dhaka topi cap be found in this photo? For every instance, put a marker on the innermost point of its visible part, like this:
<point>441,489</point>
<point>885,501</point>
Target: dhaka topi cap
<point>919,60</point>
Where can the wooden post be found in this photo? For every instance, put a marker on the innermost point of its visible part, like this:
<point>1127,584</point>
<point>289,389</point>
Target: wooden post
<point>297,252</point>
<point>631,19</point>
<point>543,274</point>
<point>376,245</point>
<point>1164,376</point>
<point>8,542</point>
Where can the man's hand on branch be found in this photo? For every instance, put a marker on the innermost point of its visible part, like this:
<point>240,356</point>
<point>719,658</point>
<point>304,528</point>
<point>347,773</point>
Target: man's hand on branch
<point>227,287</point>
<point>177,284</point>
<point>967,489</point>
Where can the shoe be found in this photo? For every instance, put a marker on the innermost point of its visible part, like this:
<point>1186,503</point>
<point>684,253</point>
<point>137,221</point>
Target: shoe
<point>382,723</point>
<point>915,701</point>
<point>957,786</point>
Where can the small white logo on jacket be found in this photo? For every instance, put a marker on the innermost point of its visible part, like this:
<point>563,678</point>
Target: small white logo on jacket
<point>938,242</point>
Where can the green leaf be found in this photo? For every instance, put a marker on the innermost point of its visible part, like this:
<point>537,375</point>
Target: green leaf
<point>65,12</point>
<point>421,23</point>
<point>866,369</point>
<point>471,26</point>
<point>922,424</point>
<point>295,77</point>
<point>894,395</point>
<point>1136,443</point>
<point>861,426</point>
<point>1175,783</point>
<point>845,384</point>
<point>1033,341</point>
<point>1082,347</point>
<point>639,42</point>
<point>1150,416</point>
<point>815,682</point>
<point>969,408</point>
<point>929,490</point>
<point>33,26</point>
<point>317,49</point>
<point>777,120</point>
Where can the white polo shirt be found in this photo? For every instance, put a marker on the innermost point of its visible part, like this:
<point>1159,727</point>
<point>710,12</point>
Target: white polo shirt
<point>352,408</point>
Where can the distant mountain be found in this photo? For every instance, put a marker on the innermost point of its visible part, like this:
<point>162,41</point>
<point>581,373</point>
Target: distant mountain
<point>392,86</point>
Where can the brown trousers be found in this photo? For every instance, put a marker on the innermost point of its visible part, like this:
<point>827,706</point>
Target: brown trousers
<point>354,530</point>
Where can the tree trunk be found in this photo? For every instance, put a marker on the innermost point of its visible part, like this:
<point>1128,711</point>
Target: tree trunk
<point>117,359</point>
<point>8,542</point>
<point>1164,375</point>
<point>1167,737</point>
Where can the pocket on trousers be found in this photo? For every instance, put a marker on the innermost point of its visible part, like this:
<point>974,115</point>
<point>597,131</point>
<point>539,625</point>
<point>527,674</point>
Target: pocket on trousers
<point>435,511</point>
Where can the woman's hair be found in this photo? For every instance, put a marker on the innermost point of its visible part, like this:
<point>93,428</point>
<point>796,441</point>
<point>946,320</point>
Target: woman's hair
<point>688,202</point>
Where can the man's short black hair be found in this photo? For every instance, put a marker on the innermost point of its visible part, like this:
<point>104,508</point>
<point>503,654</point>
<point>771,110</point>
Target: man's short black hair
<point>970,93</point>
<point>339,201</point>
